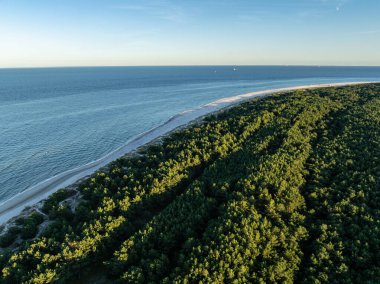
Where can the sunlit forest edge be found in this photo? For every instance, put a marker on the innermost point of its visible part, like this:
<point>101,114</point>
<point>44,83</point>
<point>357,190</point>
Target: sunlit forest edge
<point>280,189</point>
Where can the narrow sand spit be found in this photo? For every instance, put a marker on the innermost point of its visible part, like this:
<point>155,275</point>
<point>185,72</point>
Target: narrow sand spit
<point>33,195</point>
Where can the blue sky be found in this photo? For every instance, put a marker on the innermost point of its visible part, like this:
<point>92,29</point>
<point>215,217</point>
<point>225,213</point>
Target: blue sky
<point>191,32</point>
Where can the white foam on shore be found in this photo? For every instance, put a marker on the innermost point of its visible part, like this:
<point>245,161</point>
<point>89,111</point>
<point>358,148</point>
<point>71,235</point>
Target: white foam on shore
<point>35,194</point>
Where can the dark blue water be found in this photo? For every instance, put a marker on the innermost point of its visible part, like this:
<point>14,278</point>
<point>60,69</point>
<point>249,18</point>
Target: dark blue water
<point>56,119</point>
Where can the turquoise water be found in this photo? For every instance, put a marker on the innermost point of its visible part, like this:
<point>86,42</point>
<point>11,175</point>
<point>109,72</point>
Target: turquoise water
<point>56,119</point>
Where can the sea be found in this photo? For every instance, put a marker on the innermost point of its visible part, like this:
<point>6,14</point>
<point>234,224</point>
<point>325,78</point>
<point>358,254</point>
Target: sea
<point>56,119</point>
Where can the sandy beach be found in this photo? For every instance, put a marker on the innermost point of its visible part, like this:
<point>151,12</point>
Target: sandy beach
<point>35,194</point>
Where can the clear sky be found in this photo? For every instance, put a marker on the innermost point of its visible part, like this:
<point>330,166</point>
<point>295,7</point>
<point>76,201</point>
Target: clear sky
<point>189,32</point>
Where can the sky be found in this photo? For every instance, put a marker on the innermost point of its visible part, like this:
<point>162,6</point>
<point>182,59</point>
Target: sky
<point>40,33</point>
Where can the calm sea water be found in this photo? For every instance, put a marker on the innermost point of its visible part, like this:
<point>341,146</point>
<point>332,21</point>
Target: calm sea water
<point>56,119</point>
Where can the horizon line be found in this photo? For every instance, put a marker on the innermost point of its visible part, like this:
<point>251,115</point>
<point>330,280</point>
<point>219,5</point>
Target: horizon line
<point>188,65</point>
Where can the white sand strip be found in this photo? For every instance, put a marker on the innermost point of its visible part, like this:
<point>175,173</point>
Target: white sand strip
<point>33,195</point>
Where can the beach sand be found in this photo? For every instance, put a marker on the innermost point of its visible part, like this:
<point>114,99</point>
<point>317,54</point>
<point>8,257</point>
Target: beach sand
<point>14,206</point>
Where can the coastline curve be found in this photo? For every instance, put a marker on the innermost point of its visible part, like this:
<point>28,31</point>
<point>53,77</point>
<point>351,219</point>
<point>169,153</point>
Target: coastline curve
<point>16,204</point>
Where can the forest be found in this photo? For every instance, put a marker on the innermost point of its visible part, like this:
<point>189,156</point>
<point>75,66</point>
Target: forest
<point>278,189</point>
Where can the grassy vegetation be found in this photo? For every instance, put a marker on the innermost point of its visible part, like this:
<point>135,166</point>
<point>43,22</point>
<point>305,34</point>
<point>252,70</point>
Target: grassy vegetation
<point>281,189</point>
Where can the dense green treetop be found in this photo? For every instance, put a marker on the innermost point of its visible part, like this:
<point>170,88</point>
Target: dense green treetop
<point>280,189</point>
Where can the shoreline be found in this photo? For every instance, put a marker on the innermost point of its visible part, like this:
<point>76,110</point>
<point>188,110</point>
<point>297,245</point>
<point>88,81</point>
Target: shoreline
<point>35,194</point>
